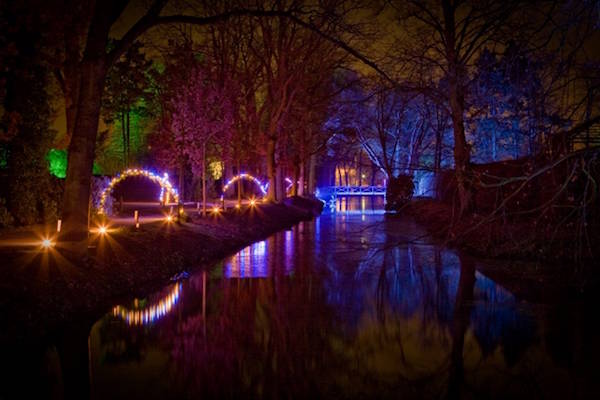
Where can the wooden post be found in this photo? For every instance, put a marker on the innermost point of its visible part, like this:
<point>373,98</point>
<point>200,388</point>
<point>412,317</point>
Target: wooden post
<point>136,219</point>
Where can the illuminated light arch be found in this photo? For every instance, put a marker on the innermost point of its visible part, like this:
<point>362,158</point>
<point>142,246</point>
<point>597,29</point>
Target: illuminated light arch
<point>248,177</point>
<point>154,312</point>
<point>166,189</point>
<point>288,187</point>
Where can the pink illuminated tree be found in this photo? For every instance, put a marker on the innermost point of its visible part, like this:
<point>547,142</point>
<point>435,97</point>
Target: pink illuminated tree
<point>200,120</point>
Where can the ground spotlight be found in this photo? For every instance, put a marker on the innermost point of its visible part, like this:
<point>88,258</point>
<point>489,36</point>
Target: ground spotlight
<point>252,202</point>
<point>47,243</point>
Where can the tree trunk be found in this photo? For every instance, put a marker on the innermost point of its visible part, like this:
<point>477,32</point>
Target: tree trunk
<point>71,94</point>
<point>359,169</point>
<point>437,163</point>
<point>311,174</point>
<point>462,156</point>
<point>81,154</point>
<point>271,173</point>
<point>457,107</point>
<point>239,185</point>
<point>346,175</point>
<point>279,184</point>
<point>373,173</point>
<point>301,179</point>
<point>295,176</point>
<point>181,179</point>
<point>128,139</point>
<point>204,179</point>
<point>124,137</point>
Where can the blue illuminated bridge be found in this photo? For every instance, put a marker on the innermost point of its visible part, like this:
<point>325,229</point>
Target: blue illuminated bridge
<point>332,192</point>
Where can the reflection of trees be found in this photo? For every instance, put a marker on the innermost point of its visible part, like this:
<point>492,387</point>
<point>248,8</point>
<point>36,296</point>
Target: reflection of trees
<point>265,337</point>
<point>460,323</point>
<point>425,303</point>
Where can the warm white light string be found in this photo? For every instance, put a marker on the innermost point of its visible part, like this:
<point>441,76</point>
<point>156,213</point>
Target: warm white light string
<point>165,185</point>
<point>245,176</point>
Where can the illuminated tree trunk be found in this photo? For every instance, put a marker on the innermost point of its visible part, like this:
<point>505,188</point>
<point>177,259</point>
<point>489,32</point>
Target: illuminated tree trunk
<point>271,173</point>
<point>359,168</point>
<point>295,176</point>
<point>301,179</point>
<point>81,153</point>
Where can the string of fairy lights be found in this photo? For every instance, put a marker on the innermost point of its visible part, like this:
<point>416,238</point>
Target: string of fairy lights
<point>247,177</point>
<point>263,187</point>
<point>167,193</point>
<point>166,189</point>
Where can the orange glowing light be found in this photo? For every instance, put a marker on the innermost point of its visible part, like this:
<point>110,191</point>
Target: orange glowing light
<point>237,206</point>
<point>216,209</point>
<point>169,218</point>
<point>102,230</point>
<point>252,202</point>
<point>47,243</point>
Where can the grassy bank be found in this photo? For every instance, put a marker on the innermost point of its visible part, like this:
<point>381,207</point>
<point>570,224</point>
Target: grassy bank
<point>40,290</point>
<point>526,256</point>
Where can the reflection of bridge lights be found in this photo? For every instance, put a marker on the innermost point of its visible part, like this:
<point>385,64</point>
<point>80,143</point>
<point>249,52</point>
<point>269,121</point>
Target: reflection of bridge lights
<point>149,314</point>
<point>47,243</point>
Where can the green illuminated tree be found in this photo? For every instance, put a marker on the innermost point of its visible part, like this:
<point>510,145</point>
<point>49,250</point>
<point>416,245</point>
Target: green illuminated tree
<point>126,85</point>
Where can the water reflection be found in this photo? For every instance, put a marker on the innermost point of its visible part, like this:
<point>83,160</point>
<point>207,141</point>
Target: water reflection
<point>358,205</point>
<point>262,259</point>
<point>346,308</point>
<point>143,314</point>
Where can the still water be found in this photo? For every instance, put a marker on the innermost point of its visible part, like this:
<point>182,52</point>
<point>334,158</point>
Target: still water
<point>354,304</point>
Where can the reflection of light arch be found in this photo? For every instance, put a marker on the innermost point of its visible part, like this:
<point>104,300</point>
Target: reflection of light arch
<point>247,177</point>
<point>152,313</point>
<point>166,189</point>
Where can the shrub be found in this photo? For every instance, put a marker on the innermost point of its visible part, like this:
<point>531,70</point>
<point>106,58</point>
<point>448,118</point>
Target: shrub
<point>6,219</point>
<point>399,192</point>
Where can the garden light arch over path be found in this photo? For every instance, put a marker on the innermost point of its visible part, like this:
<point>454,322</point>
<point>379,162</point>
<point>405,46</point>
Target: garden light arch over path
<point>166,188</point>
<point>247,177</point>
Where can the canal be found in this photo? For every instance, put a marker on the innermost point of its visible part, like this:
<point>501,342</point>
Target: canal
<point>354,304</point>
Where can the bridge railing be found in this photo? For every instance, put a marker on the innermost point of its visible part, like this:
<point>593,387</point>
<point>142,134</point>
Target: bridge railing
<point>354,190</point>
